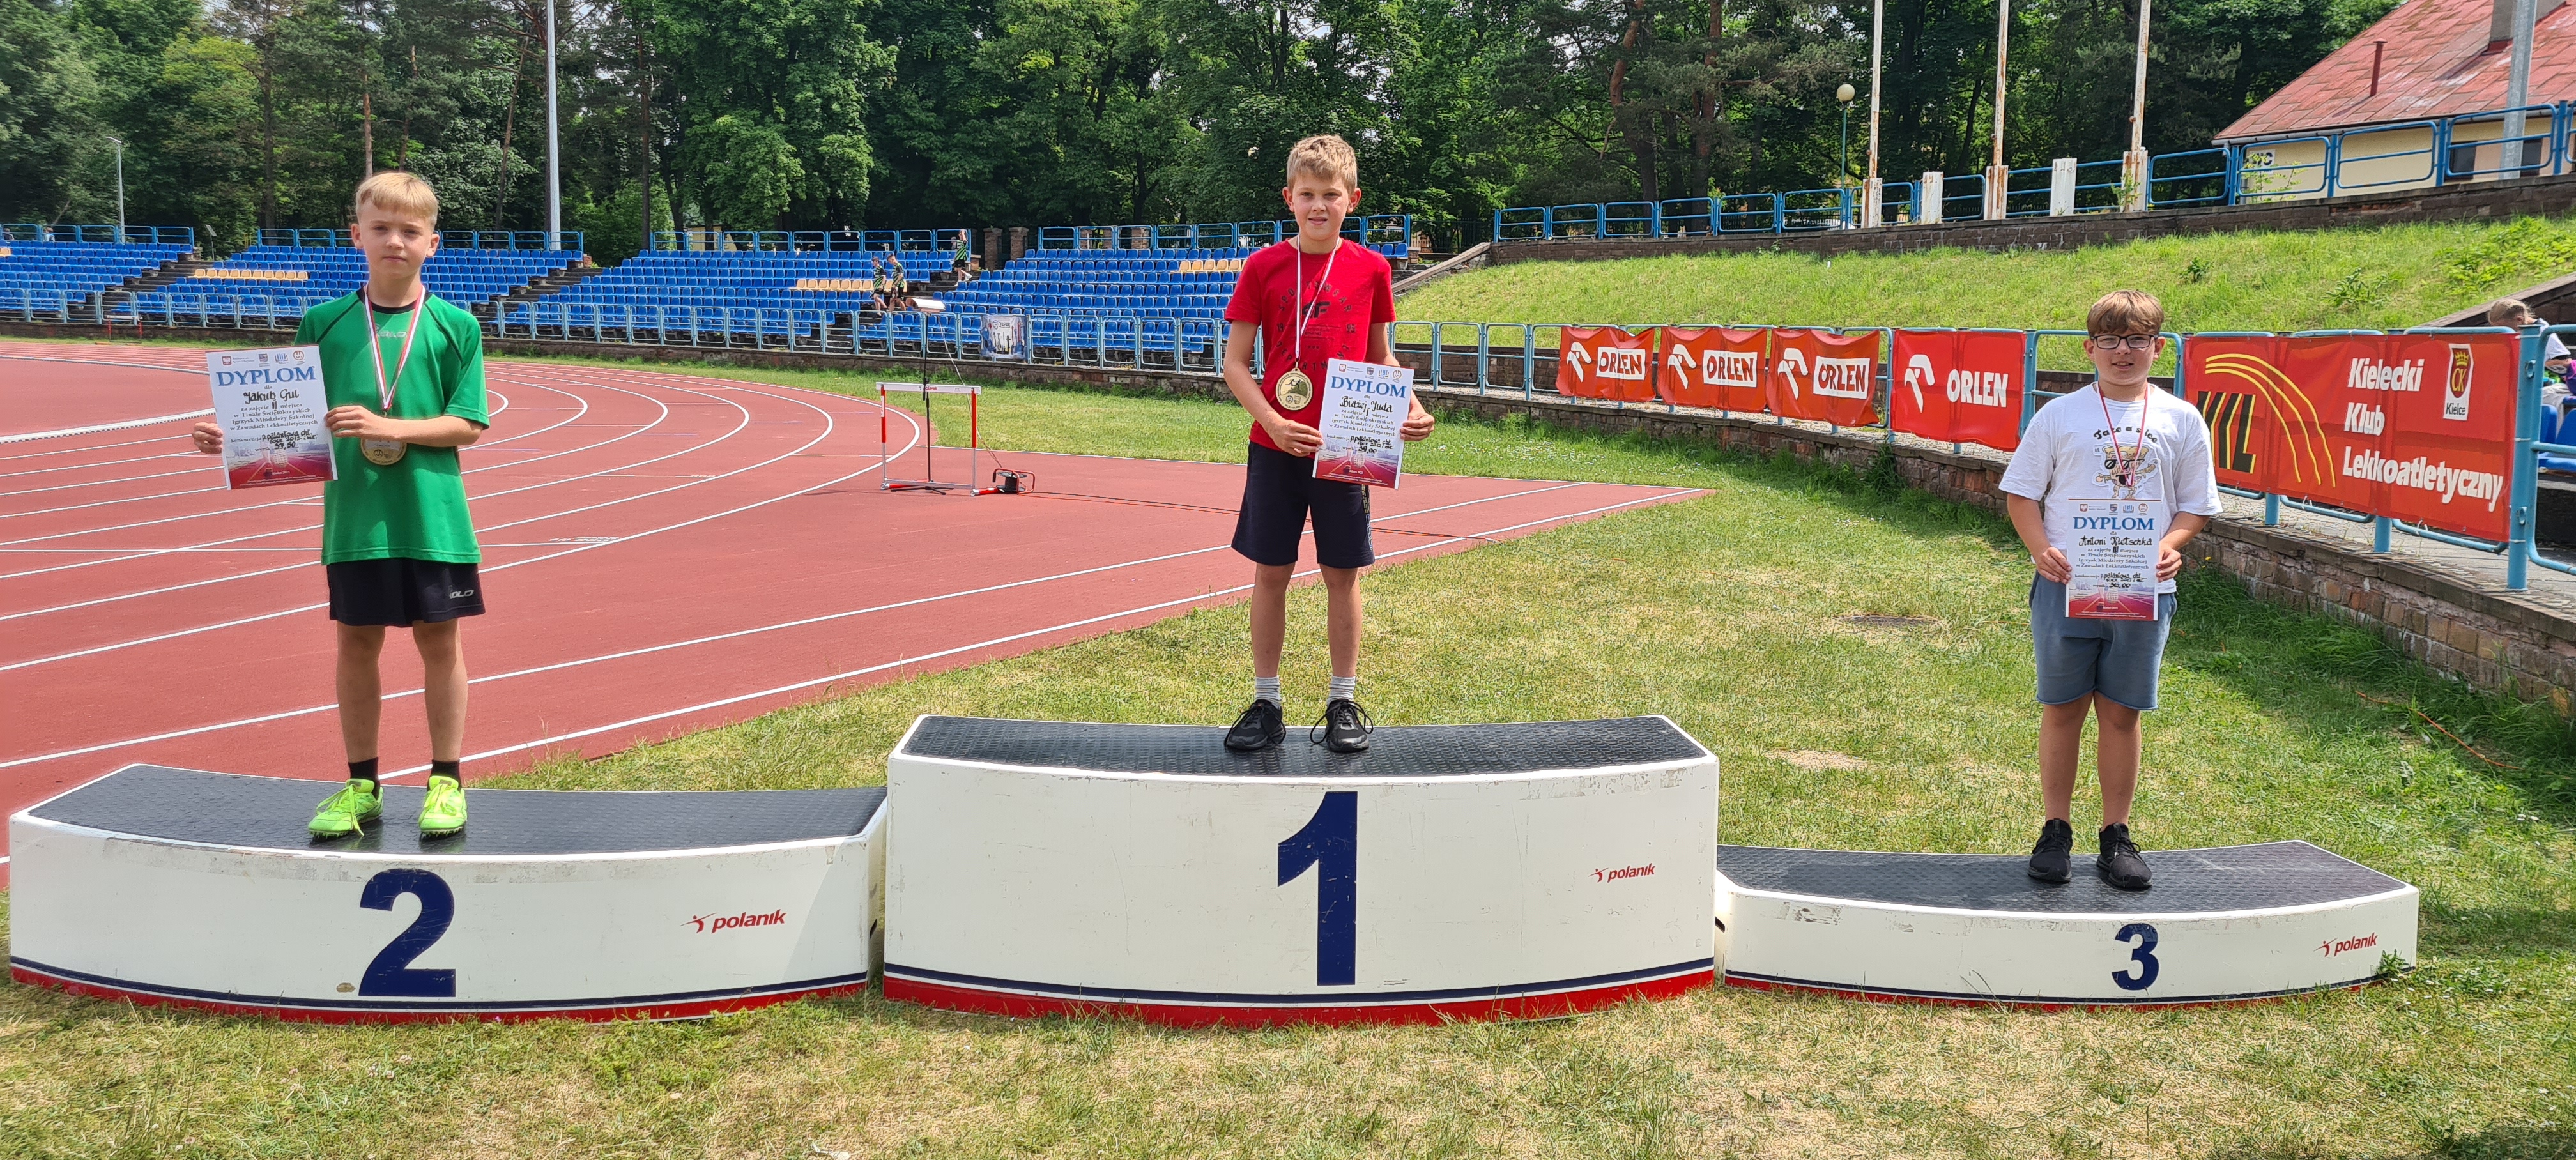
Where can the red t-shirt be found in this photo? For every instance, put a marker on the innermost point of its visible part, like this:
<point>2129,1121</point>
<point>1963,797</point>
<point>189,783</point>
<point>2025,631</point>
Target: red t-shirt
<point>1340,310</point>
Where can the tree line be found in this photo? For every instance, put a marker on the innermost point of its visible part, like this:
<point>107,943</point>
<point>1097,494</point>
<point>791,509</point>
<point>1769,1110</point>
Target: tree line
<point>823,114</point>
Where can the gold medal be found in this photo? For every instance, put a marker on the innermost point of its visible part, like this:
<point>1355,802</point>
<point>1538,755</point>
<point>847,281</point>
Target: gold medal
<point>1294,390</point>
<point>383,452</point>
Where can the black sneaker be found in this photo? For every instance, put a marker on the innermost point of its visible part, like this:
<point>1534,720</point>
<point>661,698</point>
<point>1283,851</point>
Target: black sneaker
<point>1346,727</point>
<point>2048,859</point>
<point>2121,864</point>
<point>1260,727</point>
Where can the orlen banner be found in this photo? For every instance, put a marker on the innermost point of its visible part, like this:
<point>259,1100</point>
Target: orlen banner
<point>1959,386</point>
<point>2414,426</point>
<point>1714,367</point>
<point>1605,362</point>
<point>1824,377</point>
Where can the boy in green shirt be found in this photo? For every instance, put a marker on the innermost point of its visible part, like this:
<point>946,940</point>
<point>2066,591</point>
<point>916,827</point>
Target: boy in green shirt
<point>404,375</point>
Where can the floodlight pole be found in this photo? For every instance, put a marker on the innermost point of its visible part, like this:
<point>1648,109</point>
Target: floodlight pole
<point>120,188</point>
<point>1872,191</point>
<point>2517,86</point>
<point>1998,178</point>
<point>2133,167</point>
<point>554,151</point>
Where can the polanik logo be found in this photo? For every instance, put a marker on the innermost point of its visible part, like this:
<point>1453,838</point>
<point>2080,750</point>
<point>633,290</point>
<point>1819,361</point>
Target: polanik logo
<point>711,923</point>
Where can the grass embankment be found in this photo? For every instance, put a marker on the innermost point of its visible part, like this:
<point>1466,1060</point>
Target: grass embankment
<point>1722,612</point>
<point>2380,278</point>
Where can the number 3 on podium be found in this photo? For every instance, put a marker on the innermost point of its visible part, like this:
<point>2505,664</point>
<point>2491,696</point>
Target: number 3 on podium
<point>1331,844</point>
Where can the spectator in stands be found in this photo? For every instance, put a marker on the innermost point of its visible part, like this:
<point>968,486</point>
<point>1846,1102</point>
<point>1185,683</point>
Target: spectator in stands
<point>2516,313</point>
<point>965,253</point>
<point>403,372</point>
<point>1311,299</point>
<point>2139,460</point>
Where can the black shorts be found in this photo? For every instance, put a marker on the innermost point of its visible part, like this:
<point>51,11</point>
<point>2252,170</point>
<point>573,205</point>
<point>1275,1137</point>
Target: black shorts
<point>1280,492</point>
<point>399,591</point>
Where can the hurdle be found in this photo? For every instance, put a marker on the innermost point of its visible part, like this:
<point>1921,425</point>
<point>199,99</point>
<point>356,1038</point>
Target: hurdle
<point>930,480</point>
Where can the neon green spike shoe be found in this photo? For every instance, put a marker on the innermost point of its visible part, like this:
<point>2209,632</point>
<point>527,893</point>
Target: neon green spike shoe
<point>349,811</point>
<point>443,811</point>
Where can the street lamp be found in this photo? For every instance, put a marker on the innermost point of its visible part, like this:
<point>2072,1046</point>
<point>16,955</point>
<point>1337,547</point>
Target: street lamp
<point>1845,93</point>
<point>120,188</point>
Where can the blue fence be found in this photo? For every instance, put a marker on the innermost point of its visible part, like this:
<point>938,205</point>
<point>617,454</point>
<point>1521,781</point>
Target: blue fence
<point>1373,230</point>
<point>807,241</point>
<point>2437,151</point>
<point>127,235</point>
<point>447,239</point>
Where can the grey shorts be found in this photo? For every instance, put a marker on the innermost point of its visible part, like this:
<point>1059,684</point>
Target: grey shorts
<point>2076,656</point>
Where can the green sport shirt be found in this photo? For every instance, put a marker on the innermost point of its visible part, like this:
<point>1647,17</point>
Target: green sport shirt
<point>414,509</point>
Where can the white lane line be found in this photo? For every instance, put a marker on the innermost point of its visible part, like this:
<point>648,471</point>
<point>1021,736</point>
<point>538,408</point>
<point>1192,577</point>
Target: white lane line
<point>103,428</point>
<point>309,501</point>
<point>161,439</point>
<point>828,428</point>
<point>745,422</point>
<point>579,662</point>
<point>94,483</point>
<point>99,463</point>
<point>997,641</point>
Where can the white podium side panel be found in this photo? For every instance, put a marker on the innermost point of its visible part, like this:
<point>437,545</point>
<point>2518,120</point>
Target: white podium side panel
<point>333,935</point>
<point>1028,891</point>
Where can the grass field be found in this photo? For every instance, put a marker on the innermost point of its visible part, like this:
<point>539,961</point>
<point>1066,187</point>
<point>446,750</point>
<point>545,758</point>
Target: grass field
<point>2380,278</point>
<point>1721,612</point>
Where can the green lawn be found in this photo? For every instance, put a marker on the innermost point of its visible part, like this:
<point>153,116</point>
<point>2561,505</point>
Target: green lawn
<point>1723,613</point>
<point>2387,277</point>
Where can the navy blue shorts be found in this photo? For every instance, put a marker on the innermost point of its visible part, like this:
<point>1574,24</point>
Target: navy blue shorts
<point>398,591</point>
<point>2078,657</point>
<point>1280,494</point>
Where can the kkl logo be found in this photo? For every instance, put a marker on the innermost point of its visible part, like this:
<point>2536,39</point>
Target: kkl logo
<point>711,923</point>
<point>2332,947</point>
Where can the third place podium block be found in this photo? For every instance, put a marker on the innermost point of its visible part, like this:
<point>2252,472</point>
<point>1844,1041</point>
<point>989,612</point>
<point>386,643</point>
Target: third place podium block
<point>1479,871</point>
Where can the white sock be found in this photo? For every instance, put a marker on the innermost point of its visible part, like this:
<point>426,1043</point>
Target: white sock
<point>1344,689</point>
<point>1266,689</point>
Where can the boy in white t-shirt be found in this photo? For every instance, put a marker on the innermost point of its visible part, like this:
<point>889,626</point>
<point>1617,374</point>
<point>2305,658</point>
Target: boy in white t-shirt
<point>2122,447</point>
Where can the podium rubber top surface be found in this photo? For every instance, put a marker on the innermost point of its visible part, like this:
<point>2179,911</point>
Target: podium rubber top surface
<point>1394,751</point>
<point>226,809</point>
<point>2222,878</point>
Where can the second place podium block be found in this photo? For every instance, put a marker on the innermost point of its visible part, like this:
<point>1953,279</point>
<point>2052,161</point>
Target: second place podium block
<point>1450,872</point>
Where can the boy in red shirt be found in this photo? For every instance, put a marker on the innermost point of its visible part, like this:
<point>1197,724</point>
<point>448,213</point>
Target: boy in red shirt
<point>1316,298</point>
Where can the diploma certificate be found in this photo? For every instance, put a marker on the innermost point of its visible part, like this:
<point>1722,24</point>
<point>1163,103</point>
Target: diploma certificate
<point>2113,559</point>
<point>270,405</point>
<point>1363,422</point>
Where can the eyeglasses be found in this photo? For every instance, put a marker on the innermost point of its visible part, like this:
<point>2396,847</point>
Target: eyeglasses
<point>2132,341</point>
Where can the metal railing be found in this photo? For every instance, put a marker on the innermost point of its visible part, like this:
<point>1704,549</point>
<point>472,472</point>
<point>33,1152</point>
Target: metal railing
<point>810,241</point>
<point>447,239</point>
<point>2468,147</point>
<point>109,234</point>
<point>1374,230</point>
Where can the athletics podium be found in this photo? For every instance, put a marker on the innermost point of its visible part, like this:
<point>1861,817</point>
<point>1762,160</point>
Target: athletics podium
<point>1449,872</point>
<point>174,886</point>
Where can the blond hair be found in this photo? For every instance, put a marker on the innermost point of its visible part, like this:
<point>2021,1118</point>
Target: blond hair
<point>396,191</point>
<point>2506,310</point>
<point>1324,155</point>
<point>2125,312</point>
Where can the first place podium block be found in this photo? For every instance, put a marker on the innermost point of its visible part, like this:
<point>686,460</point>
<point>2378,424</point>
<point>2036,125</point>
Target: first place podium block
<point>173,886</point>
<point>1449,872</point>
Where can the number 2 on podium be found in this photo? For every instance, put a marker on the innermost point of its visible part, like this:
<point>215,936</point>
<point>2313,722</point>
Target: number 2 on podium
<point>1331,844</point>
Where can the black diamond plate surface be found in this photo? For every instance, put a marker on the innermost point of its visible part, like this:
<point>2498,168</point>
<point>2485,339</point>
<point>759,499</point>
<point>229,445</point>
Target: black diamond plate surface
<point>2273,874</point>
<point>231,809</point>
<point>1394,751</point>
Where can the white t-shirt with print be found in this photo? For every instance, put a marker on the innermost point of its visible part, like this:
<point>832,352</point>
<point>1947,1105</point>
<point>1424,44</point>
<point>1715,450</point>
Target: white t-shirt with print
<point>2068,454</point>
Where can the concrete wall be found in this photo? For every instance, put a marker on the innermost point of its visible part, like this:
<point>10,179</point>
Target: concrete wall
<point>2476,201</point>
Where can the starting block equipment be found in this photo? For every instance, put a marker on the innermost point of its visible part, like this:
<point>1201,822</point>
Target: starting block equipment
<point>187,888</point>
<point>1448,872</point>
<point>2229,924</point>
<point>930,481</point>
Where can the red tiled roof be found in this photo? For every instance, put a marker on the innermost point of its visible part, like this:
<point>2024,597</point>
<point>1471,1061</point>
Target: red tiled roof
<point>2437,63</point>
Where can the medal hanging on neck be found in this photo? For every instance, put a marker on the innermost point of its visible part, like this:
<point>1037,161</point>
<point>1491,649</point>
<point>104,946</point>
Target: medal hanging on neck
<point>388,452</point>
<point>1294,390</point>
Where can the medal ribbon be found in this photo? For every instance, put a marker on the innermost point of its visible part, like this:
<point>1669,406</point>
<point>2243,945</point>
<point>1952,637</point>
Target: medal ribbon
<point>1297,358</point>
<point>2113,430</point>
<point>385,388</point>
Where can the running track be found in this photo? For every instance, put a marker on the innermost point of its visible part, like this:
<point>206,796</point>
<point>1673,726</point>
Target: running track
<point>662,553</point>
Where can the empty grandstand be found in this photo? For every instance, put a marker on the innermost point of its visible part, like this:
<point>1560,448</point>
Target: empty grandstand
<point>42,277</point>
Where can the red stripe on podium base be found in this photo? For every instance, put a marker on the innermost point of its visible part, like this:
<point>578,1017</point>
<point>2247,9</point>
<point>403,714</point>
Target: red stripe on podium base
<point>693,1009</point>
<point>1548,1006</point>
<point>2029,1004</point>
